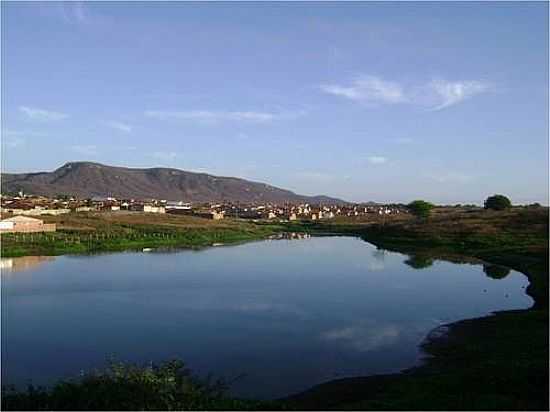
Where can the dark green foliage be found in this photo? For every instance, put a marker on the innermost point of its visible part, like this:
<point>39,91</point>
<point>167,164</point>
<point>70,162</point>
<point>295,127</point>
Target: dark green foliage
<point>497,202</point>
<point>496,271</point>
<point>420,208</point>
<point>419,261</point>
<point>168,386</point>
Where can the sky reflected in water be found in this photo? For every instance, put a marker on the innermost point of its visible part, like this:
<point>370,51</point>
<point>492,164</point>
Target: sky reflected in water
<point>285,314</point>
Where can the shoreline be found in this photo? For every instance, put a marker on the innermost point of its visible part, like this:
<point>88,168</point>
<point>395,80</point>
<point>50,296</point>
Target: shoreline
<point>363,392</point>
<point>66,242</point>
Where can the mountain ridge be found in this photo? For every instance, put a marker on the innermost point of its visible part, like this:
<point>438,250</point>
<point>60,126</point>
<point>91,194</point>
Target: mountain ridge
<point>87,179</point>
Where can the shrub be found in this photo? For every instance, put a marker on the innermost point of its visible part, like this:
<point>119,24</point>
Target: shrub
<point>168,386</point>
<point>497,202</point>
<point>420,208</point>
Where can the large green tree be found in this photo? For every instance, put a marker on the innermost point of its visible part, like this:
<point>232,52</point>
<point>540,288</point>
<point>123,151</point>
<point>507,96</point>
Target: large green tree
<point>420,208</point>
<point>497,202</point>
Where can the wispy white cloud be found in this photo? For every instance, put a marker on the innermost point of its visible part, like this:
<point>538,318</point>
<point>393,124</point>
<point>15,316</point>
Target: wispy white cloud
<point>87,150</point>
<point>370,89</point>
<point>451,93</point>
<point>435,95</point>
<point>377,160</point>
<point>122,127</point>
<point>216,116</point>
<point>41,114</point>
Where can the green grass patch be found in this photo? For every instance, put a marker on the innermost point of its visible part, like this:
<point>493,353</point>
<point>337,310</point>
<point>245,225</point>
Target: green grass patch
<point>126,237</point>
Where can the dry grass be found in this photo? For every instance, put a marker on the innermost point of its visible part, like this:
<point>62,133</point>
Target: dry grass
<point>520,221</point>
<point>100,221</point>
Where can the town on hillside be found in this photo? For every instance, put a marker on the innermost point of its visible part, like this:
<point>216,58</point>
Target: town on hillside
<point>19,210</point>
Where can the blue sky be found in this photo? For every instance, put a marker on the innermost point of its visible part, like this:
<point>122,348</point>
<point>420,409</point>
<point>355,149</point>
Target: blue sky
<point>364,101</point>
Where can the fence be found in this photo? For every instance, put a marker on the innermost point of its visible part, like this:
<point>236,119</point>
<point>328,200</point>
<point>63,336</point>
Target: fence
<point>91,241</point>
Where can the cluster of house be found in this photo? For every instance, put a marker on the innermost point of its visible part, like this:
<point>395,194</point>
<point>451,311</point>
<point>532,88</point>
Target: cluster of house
<point>307,212</point>
<point>41,205</point>
<point>24,205</point>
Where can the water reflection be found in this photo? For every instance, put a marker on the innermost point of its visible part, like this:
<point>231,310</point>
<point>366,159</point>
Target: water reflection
<point>419,261</point>
<point>496,271</point>
<point>377,262</point>
<point>366,336</point>
<point>291,236</point>
<point>287,314</point>
<point>20,264</point>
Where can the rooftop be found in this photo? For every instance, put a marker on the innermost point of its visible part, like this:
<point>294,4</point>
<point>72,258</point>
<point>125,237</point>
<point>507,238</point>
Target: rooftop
<point>21,219</point>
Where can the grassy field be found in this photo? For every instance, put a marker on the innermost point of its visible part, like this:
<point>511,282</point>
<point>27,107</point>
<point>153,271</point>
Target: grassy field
<point>498,362</point>
<point>97,232</point>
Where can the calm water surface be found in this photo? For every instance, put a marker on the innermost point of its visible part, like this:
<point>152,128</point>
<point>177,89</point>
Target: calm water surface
<point>287,314</point>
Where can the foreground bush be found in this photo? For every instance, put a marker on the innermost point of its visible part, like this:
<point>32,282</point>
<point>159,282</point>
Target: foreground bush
<point>168,386</point>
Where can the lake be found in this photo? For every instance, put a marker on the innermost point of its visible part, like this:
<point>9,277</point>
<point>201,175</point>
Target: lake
<point>282,315</point>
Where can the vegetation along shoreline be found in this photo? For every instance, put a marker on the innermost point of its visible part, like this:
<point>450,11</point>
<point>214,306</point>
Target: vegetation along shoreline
<point>496,362</point>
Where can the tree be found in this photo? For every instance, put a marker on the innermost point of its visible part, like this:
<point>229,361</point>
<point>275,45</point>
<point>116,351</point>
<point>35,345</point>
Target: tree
<point>497,202</point>
<point>420,208</point>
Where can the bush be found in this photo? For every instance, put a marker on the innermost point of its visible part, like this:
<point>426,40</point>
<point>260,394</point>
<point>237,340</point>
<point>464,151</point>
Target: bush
<point>497,202</point>
<point>168,386</point>
<point>420,208</point>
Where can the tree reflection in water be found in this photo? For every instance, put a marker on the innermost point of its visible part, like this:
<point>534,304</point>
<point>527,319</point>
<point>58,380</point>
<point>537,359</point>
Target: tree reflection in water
<point>496,271</point>
<point>419,261</point>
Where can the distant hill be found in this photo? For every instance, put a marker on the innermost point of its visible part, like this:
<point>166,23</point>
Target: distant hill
<point>87,179</point>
